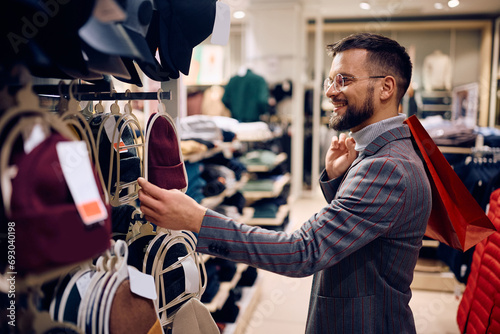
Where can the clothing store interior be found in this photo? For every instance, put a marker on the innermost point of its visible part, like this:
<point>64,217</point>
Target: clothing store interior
<point>223,101</point>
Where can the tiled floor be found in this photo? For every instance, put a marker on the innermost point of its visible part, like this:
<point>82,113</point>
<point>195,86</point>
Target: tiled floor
<point>283,303</point>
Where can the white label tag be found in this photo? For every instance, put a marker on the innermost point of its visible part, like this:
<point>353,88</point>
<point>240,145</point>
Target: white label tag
<point>141,284</point>
<point>34,139</point>
<point>83,282</point>
<point>191,274</point>
<point>222,24</point>
<point>109,127</point>
<point>77,171</point>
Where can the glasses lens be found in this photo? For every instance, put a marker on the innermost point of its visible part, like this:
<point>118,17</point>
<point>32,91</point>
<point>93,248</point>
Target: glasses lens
<point>339,82</point>
<point>327,84</point>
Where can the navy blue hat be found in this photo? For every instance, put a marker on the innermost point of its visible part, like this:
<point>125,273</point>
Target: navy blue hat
<point>33,32</point>
<point>183,25</point>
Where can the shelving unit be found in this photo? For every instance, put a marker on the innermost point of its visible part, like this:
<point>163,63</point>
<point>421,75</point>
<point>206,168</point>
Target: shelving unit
<point>248,219</point>
<point>224,289</point>
<point>249,300</point>
<point>225,147</point>
<point>212,202</point>
<point>277,189</point>
<point>280,158</point>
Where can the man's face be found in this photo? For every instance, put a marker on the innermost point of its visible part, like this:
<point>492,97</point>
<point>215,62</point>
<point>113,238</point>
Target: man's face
<point>353,106</point>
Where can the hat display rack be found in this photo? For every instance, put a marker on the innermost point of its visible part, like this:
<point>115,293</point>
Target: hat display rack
<point>85,43</point>
<point>125,121</point>
<point>70,120</point>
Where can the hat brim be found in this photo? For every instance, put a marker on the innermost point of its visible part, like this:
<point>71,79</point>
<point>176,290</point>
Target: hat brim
<point>156,71</point>
<point>135,78</point>
<point>165,46</point>
<point>109,38</point>
<point>141,45</point>
<point>106,64</point>
<point>180,52</point>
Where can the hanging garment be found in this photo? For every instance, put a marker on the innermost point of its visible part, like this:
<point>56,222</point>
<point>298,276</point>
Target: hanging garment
<point>247,97</point>
<point>437,71</point>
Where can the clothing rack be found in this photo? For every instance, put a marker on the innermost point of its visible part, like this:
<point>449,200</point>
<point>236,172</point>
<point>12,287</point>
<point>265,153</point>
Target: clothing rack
<point>96,93</point>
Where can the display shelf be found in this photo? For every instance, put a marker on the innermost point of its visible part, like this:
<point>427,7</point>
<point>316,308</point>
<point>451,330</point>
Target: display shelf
<point>280,158</point>
<point>432,281</point>
<point>282,213</point>
<point>455,150</point>
<point>226,147</point>
<point>225,288</point>
<point>278,186</point>
<point>434,275</point>
<point>195,157</point>
<point>250,297</point>
<point>430,243</point>
<point>214,201</point>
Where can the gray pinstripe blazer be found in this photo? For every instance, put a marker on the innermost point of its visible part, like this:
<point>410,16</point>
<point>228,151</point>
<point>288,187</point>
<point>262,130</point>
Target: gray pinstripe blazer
<point>362,247</point>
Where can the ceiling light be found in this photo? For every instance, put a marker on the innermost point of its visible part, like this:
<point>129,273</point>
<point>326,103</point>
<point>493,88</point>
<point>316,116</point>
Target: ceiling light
<point>438,5</point>
<point>453,3</point>
<point>365,5</point>
<point>239,14</point>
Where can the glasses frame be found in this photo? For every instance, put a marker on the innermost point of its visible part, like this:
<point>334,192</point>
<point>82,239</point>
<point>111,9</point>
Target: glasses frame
<point>328,83</point>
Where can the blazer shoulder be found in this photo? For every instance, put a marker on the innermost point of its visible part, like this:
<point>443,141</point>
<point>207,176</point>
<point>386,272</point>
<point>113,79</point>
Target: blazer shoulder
<point>399,133</point>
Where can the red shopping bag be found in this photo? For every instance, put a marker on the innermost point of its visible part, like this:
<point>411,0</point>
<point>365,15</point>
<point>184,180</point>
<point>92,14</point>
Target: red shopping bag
<point>456,218</point>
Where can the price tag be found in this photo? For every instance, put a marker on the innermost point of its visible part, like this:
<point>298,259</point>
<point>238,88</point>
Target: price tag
<point>83,282</point>
<point>141,284</point>
<point>36,136</point>
<point>192,281</point>
<point>77,171</point>
<point>109,127</point>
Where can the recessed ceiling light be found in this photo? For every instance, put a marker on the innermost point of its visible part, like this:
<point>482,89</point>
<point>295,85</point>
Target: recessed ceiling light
<point>365,5</point>
<point>453,3</point>
<point>239,14</point>
<point>438,5</point>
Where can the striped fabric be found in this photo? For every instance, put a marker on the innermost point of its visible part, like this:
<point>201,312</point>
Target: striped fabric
<point>362,246</point>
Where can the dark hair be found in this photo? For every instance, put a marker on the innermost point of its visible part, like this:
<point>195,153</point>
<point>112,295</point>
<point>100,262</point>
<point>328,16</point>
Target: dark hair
<point>385,55</point>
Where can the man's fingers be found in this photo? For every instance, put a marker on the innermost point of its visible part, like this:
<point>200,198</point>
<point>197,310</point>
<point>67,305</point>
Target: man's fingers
<point>335,143</point>
<point>350,144</point>
<point>146,199</point>
<point>149,188</point>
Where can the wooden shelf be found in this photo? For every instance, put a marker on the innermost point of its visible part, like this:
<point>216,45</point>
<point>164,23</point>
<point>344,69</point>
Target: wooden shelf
<point>195,157</point>
<point>443,281</point>
<point>430,243</point>
<point>214,201</point>
<point>277,189</point>
<point>282,213</point>
<point>264,168</point>
<point>249,300</point>
<point>225,288</point>
<point>225,147</point>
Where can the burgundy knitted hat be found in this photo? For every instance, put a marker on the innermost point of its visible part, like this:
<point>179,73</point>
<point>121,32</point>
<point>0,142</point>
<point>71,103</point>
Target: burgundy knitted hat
<point>165,165</point>
<point>51,231</point>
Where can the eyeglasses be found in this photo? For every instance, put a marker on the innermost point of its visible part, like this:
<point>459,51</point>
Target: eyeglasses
<point>339,81</point>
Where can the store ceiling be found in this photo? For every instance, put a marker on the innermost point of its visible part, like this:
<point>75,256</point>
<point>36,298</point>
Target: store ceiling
<point>349,9</point>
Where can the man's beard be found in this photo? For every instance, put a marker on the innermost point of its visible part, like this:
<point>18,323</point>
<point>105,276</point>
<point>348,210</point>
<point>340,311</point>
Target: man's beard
<point>353,115</point>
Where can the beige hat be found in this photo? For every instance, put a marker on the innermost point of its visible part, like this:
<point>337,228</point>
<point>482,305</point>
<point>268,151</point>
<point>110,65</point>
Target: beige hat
<point>194,318</point>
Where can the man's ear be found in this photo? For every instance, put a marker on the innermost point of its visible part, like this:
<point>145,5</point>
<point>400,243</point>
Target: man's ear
<point>388,88</point>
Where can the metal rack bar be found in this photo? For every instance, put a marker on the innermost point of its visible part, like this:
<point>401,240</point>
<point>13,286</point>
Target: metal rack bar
<point>96,93</point>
